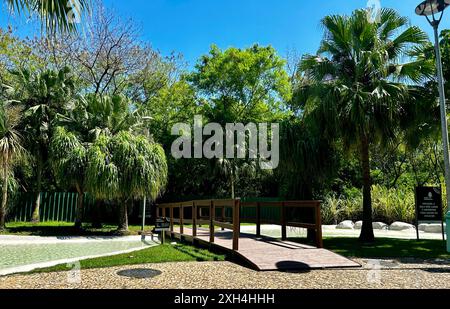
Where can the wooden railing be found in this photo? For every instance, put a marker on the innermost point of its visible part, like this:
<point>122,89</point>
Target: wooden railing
<point>315,224</point>
<point>199,208</point>
<point>198,216</point>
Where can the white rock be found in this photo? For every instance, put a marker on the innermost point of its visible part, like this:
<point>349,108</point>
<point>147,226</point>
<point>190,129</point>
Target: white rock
<point>401,226</point>
<point>380,226</point>
<point>423,226</point>
<point>345,225</point>
<point>358,225</point>
<point>434,228</point>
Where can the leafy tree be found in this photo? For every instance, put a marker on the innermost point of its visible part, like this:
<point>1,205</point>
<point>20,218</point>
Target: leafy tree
<point>357,75</point>
<point>241,85</point>
<point>172,104</point>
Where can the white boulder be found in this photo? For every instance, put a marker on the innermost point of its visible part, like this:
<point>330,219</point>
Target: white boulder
<point>401,226</point>
<point>423,226</point>
<point>434,228</point>
<point>380,226</point>
<point>375,225</point>
<point>345,225</point>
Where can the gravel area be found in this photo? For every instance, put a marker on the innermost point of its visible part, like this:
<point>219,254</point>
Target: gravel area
<point>384,274</point>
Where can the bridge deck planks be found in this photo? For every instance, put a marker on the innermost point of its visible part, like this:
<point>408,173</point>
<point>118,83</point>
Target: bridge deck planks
<point>267,254</point>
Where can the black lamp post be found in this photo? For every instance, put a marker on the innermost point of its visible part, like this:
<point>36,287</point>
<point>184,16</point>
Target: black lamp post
<point>433,10</point>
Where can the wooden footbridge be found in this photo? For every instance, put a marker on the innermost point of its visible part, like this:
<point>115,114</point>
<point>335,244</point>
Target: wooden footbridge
<point>218,222</point>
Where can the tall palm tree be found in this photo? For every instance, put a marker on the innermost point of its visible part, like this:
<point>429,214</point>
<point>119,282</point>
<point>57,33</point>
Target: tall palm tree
<point>357,78</point>
<point>54,14</point>
<point>46,97</point>
<point>10,150</point>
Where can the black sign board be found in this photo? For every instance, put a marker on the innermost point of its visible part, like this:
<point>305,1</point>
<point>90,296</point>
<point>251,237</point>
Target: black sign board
<point>429,204</point>
<point>162,224</point>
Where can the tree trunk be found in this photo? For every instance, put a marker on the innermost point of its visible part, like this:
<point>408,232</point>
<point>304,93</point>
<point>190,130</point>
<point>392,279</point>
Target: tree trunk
<point>96,222</point>
<point>79,212</point>
<point>4,197</point>
<point>123,220</point>
<point>37,205</point>
<point>367,234</point>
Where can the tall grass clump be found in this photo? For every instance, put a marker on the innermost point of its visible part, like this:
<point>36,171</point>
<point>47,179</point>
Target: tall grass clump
<point>389,205</point>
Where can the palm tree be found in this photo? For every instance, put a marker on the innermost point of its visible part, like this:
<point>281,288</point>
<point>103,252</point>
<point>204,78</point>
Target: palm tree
<point>10,150</point>
<point>68,157</point>
<point>94,120</point>
<point>94,115</point>
<point>46,97</point>
<point>234,170</point>
<point>357,77</point>
<point>54,14</point>
<point>126,167</point>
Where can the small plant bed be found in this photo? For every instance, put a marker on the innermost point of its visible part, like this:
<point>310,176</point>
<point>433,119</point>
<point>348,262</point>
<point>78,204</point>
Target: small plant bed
<point>388,248</point>
<point>65,229</point>
<point>160,254</point>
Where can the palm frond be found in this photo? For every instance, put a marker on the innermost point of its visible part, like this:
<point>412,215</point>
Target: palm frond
<point>55,14</point>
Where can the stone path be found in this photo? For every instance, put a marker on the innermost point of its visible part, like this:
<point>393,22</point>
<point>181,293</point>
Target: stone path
<point>384,274</point>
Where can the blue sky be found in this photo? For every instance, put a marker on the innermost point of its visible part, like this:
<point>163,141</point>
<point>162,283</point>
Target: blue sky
<point>191,26</point>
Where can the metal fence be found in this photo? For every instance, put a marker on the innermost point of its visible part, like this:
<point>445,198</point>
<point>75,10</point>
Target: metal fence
<point>55,206</point>
<point>266,212</point>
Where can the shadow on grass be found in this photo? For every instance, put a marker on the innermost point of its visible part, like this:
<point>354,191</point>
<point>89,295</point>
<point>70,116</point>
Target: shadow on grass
<point>200,255</point>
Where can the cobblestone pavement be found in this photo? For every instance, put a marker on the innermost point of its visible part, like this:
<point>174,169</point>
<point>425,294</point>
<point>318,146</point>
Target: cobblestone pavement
<point>384,274</point>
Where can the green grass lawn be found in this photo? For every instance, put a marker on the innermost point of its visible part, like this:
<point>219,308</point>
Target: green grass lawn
<point>388,248</point>
<point>64,229</point>
<point>159,254</point>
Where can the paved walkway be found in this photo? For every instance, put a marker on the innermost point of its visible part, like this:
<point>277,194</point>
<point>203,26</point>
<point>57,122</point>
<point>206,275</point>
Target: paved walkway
<point>384,274</point>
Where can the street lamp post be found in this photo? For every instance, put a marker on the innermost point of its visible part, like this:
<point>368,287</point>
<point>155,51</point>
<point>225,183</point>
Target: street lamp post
<point>432,8</point>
